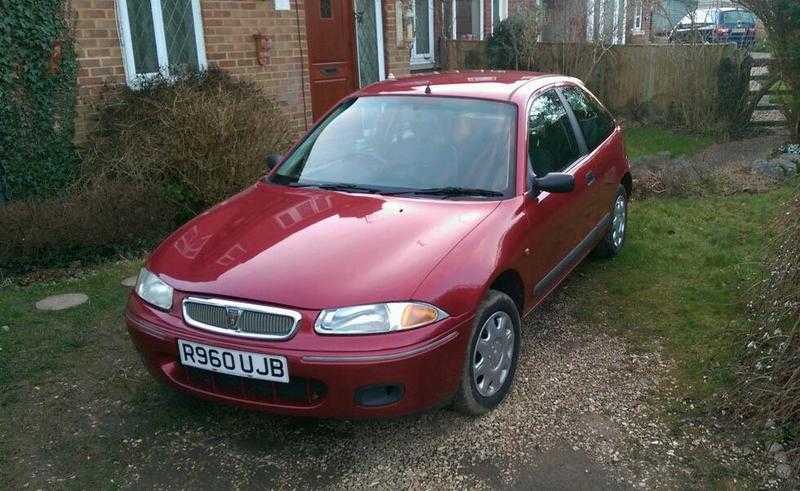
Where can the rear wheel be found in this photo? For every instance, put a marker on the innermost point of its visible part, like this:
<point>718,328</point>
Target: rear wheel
<point>614,239</point>
<point>491,357</point>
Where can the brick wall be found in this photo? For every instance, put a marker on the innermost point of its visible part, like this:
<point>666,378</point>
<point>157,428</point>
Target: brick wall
<point>397,56</point>
<point>229,27</point>
<point>99,55</point>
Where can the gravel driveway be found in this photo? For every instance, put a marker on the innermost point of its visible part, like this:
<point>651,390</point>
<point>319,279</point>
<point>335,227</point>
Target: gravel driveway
<point>584,413</point>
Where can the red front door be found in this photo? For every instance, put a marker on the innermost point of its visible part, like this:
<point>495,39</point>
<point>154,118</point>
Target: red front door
<point>331,52</point>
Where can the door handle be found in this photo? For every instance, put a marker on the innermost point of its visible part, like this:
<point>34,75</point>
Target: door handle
<point>590,179</point>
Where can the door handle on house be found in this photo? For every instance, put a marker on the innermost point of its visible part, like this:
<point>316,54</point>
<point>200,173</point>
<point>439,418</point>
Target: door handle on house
<point>590,179</point>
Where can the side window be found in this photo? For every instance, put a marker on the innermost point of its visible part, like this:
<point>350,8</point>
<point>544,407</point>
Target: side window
<point>552,146</point>
<point>595,122</point>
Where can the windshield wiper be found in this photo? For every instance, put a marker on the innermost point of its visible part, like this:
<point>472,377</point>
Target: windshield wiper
<point>451,191</point>
<point>340,186</point>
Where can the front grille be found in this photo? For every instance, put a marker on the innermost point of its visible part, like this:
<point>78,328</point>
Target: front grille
<point>298,392</point>
<point>240,319</point>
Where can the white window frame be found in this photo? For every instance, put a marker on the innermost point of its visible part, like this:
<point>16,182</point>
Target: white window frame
<point>503,12</point>
<point>124,27</point>
<point>618,34</point>
<point>480,36</point>
<point>428,58</point>
<point>379,37</point>
<point>638,16</point>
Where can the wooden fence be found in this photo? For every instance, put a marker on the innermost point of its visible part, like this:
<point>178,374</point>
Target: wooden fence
<point>654,79</point>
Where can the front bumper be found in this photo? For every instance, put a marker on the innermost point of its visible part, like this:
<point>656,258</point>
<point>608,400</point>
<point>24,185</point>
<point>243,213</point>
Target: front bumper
<point>326,372</point>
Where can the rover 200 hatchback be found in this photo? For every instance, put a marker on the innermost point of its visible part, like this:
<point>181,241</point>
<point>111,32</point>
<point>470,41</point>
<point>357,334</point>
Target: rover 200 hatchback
<point>382,266</point>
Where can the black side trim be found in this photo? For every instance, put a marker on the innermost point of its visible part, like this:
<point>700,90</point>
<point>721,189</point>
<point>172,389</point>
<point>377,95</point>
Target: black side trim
<point>575,254</point>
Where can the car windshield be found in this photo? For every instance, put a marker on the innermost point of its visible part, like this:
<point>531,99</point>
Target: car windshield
<point>738,17</point>
<point>409,145</point>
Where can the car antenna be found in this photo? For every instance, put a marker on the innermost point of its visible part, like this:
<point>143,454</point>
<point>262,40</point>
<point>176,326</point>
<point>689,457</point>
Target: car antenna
<point>428,87</point>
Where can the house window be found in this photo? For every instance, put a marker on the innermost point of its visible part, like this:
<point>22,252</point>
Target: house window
<point>605,21</point>
<point>637,16</point>
<point>422,50</point>
<point>160,36</point>
<point>468,19</point>
<point>499,12</point>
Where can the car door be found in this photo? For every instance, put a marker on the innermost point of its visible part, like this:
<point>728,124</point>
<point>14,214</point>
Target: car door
<point>595,127</point>
<point>556,220</point>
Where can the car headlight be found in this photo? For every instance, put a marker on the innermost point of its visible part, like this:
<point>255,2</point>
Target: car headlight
<point>153,291</point>
<point>376,318</point>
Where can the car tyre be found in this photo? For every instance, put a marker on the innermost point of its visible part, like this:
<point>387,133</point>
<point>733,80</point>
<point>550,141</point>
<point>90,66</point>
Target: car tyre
<point>614,240</point>
<point>491,357</point>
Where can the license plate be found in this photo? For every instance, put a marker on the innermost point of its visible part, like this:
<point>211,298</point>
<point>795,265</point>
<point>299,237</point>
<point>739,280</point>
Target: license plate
<point>232,362</point>
<point>738,31</point>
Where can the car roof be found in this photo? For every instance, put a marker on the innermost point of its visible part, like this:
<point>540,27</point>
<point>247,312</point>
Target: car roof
<point>696,15</point>
<point>483,84</point>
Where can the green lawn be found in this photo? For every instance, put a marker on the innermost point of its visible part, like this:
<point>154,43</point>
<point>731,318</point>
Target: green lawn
<point>683,280</point>
<point>651,140</point>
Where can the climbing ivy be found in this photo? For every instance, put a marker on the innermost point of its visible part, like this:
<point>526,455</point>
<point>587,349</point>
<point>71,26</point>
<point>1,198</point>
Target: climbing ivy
<point>37,102</point>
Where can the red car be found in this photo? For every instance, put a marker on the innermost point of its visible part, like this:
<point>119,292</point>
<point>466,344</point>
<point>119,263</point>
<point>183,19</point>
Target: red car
<point>382,267</point>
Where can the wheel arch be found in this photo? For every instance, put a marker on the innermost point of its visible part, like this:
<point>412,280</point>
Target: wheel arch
<point>510,283</point>
<point>627,182</point>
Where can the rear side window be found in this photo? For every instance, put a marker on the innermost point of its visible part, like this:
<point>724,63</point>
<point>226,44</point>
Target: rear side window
<point>552,145</point>
<point>738,17</point>
<point>595,122</point>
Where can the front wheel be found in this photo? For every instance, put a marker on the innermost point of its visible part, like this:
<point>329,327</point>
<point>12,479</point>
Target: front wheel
<point>614,239</point>
<point>491,357</point>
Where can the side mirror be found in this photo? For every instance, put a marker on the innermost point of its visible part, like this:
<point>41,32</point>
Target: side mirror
<point>554,182</point>
<point>272,161</point>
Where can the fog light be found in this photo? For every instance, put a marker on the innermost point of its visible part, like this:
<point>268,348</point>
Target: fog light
<point>379,395</point>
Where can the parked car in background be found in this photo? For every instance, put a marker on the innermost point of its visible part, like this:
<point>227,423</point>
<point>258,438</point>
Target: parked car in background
<point>716,25</point>
<point>383,266</point>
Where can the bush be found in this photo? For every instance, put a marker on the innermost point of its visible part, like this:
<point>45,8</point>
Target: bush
<point>735,106</point>
<point>771,388</point>
<point>156,157</point>
<point>196,140</point>
<point>662,176</point>
<point>101,220</point>
<point>506,46</point>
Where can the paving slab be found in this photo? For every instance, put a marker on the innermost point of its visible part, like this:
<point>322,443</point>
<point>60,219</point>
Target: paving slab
<point>129,282</point>
<point>62,302</point>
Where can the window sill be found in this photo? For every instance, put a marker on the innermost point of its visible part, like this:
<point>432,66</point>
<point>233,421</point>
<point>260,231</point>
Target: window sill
<point>421,67</point>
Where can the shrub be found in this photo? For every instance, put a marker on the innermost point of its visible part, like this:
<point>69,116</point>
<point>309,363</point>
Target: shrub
<point>771,388</point>
<point>155,157</point>
<point>506,47</point>
<point>197,140</point>
<point>735,105</point>
<point>101,220</point>
<point>661,176</point>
